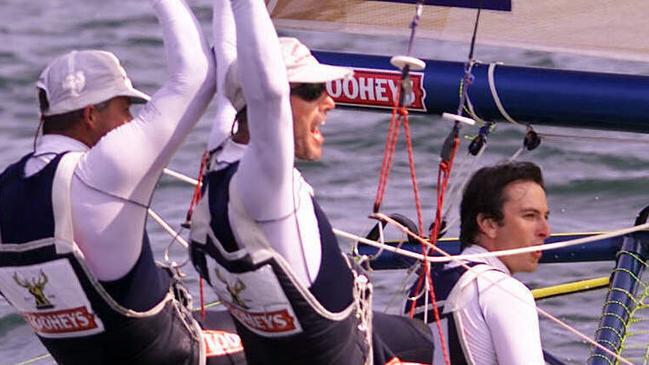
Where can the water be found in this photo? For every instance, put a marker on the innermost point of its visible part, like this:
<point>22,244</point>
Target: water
<point>591,185</point>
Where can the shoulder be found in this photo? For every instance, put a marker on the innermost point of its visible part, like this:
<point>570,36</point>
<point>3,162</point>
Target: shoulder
<point>498,280</point>
<point>499,292</point>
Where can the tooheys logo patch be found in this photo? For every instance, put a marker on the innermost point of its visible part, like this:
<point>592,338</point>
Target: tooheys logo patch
<point>256,300</point>
<point>376,88</point>
<point>218,343</point>
<point>63,321</point>
<point>280,321</point>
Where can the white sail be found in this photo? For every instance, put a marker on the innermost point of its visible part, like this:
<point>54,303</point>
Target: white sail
<point>604,28</point>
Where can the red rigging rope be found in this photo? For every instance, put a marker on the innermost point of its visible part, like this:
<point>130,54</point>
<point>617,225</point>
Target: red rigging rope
<point>443,175</point>
<point>197,190</point>
<point>448,153</point>
<point>195,199</point>
<point>413,174</point>
<point>388,152</point>
<point>400,116</point>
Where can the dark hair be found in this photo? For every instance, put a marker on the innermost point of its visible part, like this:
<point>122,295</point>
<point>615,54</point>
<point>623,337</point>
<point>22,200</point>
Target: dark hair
<point>484,194</point>
<point>242,115</point>
<point>62,122</point>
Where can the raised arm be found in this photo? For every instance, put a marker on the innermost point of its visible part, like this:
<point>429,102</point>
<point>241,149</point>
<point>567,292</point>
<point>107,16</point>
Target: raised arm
<point>268,161</point>
<point>225,51</point>
<point>128,161</point>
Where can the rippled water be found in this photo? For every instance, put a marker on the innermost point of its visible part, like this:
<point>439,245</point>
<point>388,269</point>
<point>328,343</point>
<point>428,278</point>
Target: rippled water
<point>592,185</point>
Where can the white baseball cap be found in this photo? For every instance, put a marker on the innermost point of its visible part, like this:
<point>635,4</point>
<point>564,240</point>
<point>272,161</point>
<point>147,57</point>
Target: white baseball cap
<point>81,78</point>
<point>301,67</point>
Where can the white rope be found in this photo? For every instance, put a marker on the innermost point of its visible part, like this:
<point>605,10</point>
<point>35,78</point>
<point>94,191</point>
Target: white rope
<point>552,246</point>
<point>494,94</point>
<point>377,244</point>
<point>180,176</point>
<point>543,247</point>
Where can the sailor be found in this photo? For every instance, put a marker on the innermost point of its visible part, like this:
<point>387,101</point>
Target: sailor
<point>259,236</point>
<point>491,316</point>
<point>75,260</point>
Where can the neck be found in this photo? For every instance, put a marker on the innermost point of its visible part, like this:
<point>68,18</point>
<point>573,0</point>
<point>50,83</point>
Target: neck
<point>81,137</point>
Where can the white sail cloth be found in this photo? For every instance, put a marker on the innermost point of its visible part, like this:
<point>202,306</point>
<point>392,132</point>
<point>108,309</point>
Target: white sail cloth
<point>605,28</point>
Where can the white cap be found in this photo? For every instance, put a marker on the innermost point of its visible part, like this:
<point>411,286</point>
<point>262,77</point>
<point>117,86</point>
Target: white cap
<point>81,78</point>
<point>301,67</point>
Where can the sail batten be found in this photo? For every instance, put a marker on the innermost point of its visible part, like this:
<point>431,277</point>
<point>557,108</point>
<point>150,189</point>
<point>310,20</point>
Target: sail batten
<point>605,28</point>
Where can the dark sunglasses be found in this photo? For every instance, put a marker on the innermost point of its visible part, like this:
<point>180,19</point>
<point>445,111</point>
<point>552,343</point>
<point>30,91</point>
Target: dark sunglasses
<point>309,92</point>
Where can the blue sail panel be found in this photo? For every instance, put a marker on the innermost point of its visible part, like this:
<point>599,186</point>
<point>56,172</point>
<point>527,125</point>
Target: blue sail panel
<point>502,5</point>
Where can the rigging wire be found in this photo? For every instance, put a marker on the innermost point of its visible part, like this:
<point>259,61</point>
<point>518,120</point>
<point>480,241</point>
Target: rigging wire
<point>400,116</point>
<point>445,166</point>
<point>196,197</point>
<point>391,301</point>
<point>455,192</point>
<point>175,235</point>
<point>451,142</point>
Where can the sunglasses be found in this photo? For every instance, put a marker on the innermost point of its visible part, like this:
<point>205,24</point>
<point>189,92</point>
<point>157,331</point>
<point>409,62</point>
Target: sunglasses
<point>309,92</point>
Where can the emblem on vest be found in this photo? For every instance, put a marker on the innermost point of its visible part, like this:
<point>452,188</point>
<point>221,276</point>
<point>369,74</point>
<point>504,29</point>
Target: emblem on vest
<point>234,290</point>
<point>219,343</point>
<point>256,300</point>
<point>35,288</point>
<point>51,299</point>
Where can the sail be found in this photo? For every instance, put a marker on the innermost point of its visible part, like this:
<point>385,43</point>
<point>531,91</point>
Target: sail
<point>604,28</point>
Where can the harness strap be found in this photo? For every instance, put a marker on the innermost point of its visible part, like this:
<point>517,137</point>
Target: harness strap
<point>63,231</point>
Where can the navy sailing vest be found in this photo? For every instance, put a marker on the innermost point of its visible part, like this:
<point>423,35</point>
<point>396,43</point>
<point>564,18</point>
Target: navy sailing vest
<point>133,320</point>
<point>279,321</point>
<point>444,280</point>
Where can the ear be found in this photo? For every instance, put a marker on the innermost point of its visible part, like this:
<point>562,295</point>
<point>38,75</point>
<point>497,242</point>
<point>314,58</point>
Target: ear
<point>89,116</point>
<point>488,225</point>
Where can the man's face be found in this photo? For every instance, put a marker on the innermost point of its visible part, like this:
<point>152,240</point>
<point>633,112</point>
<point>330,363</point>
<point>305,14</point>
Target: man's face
<point>525,223</point>
<point>115,114</point>
<point>309,112</point>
